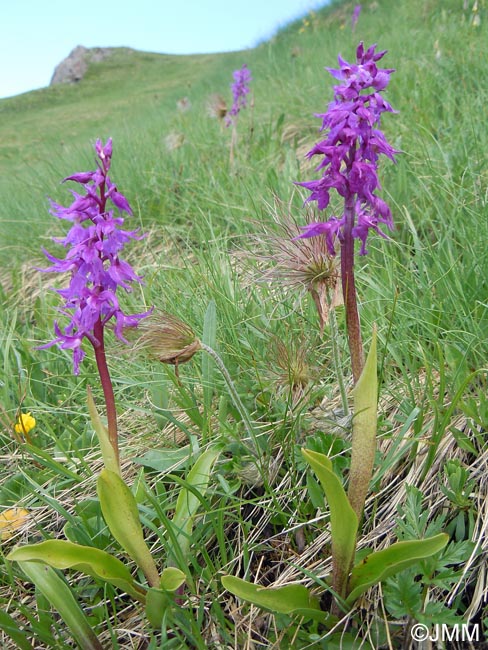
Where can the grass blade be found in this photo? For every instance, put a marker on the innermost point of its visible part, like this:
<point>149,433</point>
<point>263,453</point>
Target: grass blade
<point>188,502</point>
<point>61,598</point>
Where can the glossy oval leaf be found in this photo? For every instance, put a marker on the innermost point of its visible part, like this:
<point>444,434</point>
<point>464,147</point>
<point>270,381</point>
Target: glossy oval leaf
<point>120,511</point>
<point>171,579</point>
<point>61,598</point>
<point>343,520</point>
<point>382,564</point>
<point>96,563</point>
<point>288,599</point>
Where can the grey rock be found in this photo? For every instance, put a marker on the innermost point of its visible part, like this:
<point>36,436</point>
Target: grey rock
<point>73,68</point>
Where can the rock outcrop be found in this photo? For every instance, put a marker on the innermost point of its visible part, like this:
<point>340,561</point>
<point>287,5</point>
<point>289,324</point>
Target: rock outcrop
<point>73,68</point>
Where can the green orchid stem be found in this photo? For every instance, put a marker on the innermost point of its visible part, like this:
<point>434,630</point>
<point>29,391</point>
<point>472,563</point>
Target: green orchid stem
<point>108,391</point>
<point>233,144</point>
<point>349,291</point>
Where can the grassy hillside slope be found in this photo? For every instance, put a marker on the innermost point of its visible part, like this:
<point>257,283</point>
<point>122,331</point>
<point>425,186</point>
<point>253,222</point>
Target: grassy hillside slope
<point>211,227</point>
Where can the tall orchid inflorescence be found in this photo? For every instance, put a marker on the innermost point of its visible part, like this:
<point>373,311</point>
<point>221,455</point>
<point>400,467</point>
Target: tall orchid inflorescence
<point>355,17</point>
<point>94,243</point>
<point>240,90</point>
<point>350,166</point>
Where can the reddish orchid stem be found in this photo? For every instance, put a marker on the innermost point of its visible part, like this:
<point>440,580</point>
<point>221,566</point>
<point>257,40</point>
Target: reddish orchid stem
<point>108,391</point>
<point>354,338</point>
<point>101,359</point>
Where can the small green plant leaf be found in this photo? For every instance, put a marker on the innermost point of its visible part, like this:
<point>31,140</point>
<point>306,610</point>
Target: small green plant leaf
<point>188,503</point>
<point>164,460</point>
<point>119,510</point>
<point>380,565</point>
<point>108,453</point>
<point>61,598</point>
<point>61,554</point>
<point>171,579</point>
<point>11,627</point>
<point>157,602</point>
<point>347,641</point>
<point>288,599</point>
<point>364,424</point>
<point>343,520</point>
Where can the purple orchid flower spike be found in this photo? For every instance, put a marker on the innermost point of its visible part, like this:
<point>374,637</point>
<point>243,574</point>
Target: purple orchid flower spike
<point>351,150</point>
<point>355,17</point>
<point>349,165</point>
<point>240,90</point>
<point>93,246</point>
<point>94,243</point>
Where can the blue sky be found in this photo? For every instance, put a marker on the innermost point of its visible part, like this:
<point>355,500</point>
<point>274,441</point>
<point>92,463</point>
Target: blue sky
<point>35,35</point>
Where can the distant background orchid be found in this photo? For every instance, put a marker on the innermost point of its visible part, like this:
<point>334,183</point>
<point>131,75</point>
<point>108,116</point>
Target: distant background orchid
<point>355,17</point>
<point>240,90</point>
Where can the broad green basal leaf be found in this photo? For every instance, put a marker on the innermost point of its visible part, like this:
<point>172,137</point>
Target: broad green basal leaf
<point>378,566</point>
<point>119,510</point>
<point>343,520</point>
<point>288,599</point>
<point>364,424</point>
<point>61,554</point>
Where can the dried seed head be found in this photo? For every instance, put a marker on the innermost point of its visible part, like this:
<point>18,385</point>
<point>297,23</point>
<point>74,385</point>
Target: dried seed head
<point>183,104</point>
<point>167,339</point>
<point>292,369</point>
<point>217,107</point>
<point>174,140</point>
<point>304,264</point>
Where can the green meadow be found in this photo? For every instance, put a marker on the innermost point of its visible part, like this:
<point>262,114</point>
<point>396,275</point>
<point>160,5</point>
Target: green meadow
<point>213,257</point>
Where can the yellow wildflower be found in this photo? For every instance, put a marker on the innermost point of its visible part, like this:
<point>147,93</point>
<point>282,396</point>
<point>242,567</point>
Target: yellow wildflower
<point>25,423</point>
